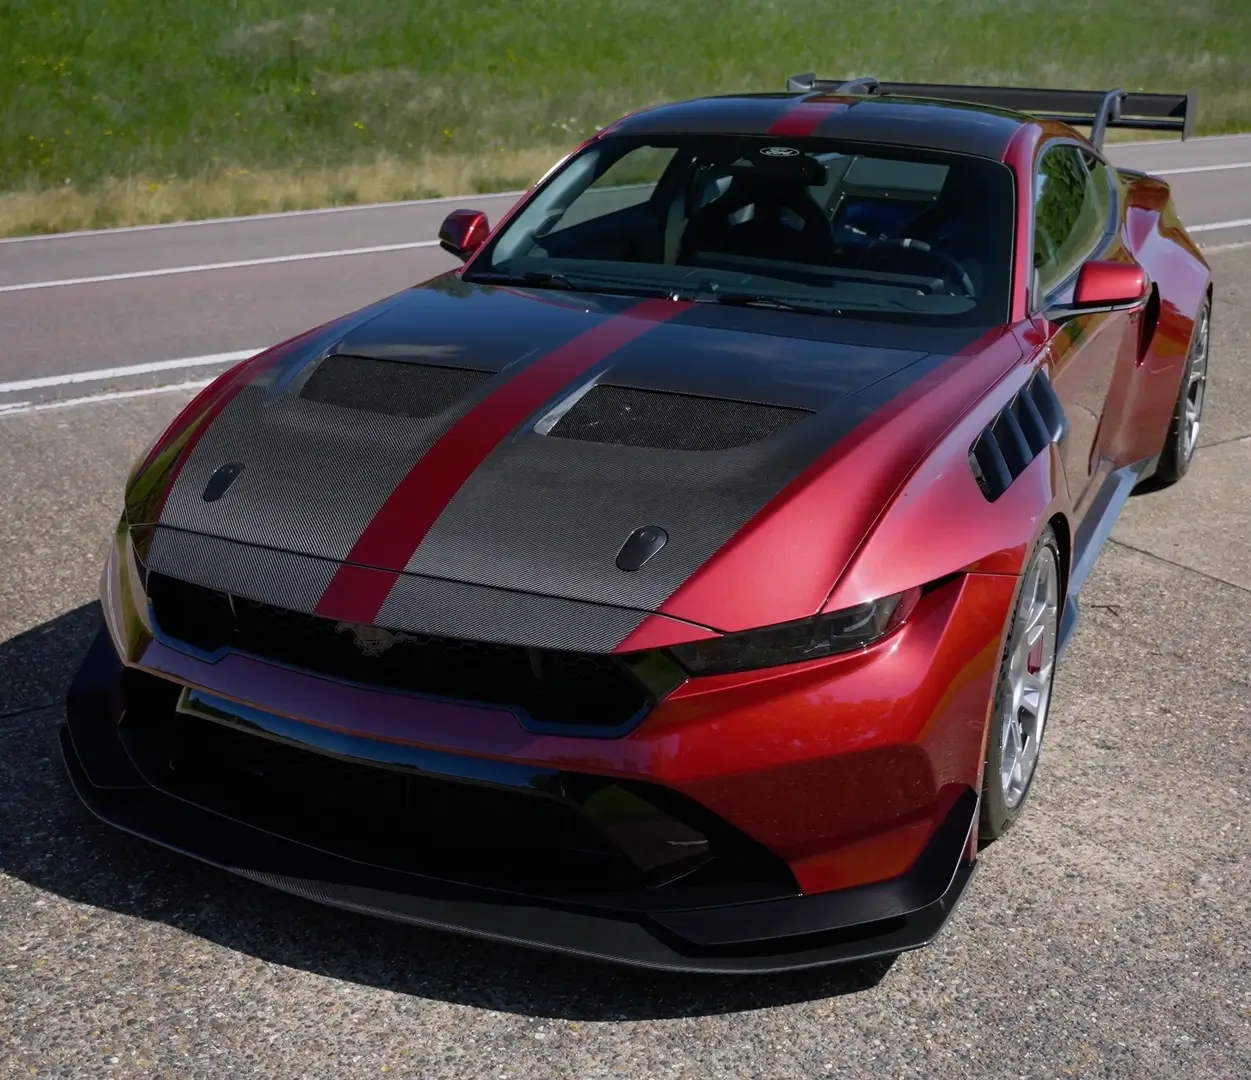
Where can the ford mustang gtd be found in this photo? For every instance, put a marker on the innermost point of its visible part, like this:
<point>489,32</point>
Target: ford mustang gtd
<point>680,580</point>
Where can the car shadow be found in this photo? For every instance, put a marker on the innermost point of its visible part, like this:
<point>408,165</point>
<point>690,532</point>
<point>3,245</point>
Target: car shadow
<point>48,840</point>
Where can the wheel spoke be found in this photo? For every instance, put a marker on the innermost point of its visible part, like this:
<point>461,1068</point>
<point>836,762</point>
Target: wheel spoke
<point>1030,668</point>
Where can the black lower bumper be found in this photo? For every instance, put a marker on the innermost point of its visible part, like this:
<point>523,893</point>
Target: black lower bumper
<point>778,934</point>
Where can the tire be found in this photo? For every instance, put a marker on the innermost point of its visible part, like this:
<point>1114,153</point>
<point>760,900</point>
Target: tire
<point>1022,701</point>
<point>1183,431</point>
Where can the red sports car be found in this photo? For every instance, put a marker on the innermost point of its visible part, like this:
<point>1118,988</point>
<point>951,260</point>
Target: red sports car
<point>680,581</point>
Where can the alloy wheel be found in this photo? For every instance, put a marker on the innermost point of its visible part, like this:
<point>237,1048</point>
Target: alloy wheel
<point>1196,385</point>
<point>1031,668</point>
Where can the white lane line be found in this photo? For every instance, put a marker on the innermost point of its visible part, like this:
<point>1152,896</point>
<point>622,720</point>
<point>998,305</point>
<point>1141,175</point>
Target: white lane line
<point>277,214</point>
<point>1239,223</point>
<point>1199,169</point>
<point>20,408</point>
<point>131,275</point>
<point>1233,245</point>
<point>101,374</point>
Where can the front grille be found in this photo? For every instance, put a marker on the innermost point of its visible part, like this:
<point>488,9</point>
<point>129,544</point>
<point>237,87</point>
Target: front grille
<point>382,816</point>
<point>551,687</point>
<point>664,421</point>
<point>546,833</point>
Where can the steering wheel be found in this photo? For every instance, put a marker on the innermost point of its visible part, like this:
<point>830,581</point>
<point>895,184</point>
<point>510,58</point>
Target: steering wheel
<point>961,275</point>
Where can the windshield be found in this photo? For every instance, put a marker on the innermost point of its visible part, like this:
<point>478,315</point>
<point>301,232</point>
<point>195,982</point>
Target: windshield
<point>811,224</point>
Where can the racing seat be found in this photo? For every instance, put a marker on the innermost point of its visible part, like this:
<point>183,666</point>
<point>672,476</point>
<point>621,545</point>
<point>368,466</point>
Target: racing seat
<point>953,225</point>
<point>764,218</point>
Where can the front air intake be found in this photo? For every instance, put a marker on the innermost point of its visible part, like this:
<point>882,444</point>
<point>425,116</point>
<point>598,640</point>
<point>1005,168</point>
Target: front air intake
<point>627,417</point>
<point>1022,430</point>
<point>393,387</point>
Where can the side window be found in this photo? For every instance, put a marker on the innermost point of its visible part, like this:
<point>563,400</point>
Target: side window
<point>1071,209</point>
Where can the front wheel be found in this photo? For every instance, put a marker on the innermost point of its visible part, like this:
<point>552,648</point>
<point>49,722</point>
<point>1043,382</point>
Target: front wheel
<point>1023,694</point>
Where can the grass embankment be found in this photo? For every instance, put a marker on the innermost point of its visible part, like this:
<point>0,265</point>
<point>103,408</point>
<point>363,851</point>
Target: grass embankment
<point>134,111</point>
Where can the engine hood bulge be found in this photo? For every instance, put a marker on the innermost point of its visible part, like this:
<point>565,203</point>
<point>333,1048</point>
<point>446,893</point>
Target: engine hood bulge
<point>516,440</point>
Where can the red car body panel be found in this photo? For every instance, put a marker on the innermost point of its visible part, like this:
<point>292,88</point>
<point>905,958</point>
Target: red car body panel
<point>890,506</point>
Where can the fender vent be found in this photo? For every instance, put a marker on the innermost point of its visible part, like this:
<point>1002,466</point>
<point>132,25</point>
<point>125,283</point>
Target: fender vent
<point>663,421</point>
<point>1024,428</point>
<point>394,387</point>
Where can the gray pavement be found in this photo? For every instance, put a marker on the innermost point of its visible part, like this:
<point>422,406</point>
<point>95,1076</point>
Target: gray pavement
<point>80,328</point>
<point>1105,937</point>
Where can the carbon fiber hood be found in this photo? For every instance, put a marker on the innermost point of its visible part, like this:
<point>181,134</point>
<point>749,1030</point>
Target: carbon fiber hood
<point>395,449</point>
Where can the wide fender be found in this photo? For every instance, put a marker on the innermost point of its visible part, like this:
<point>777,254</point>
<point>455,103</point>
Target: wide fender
<point>1180,282</point>
<point>940,523</point>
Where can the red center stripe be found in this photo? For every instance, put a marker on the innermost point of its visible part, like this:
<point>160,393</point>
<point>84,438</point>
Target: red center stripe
<point>360,586</point>
<point>803,118</point>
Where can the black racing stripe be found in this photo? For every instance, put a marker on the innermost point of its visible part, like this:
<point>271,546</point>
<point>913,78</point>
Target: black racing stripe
<point>315,472</point>
<point>710,116</point>
<point>913,125</point>
<point>416,605</point>
<point>550,515</point>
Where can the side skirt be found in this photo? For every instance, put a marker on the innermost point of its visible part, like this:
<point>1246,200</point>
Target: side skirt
<point>1093,534</point>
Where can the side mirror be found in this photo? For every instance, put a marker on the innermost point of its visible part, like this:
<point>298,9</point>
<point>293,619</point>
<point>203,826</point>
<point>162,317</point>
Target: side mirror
<point>463,232</point>
<point>1102,287</point>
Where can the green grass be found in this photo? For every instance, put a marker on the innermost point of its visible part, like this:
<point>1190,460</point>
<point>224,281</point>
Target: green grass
<point>194,90</point>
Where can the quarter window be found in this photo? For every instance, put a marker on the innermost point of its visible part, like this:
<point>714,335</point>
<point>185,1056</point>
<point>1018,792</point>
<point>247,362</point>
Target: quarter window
<point>1071,207</point>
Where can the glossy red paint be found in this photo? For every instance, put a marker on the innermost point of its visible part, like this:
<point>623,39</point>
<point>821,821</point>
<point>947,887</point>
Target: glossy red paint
<point>463,232</point>
<point>773,568</point>
<point>805,116</point>
<point>1104,281</point>
<point>359,587</point>
<point>841,766</point>
<point>844,801</point>
<point>1019,157</point>
<point>942,503</point>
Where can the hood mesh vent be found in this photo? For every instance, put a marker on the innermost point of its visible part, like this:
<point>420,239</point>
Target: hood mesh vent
<point>394,387</point>
<point>627,417</point>
<point>1024,428</point>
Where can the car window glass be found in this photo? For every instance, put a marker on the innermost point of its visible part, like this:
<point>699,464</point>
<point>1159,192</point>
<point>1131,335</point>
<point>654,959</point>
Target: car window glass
<point>900,234</point>
<point>1070,214</point>
<point>628,181</point>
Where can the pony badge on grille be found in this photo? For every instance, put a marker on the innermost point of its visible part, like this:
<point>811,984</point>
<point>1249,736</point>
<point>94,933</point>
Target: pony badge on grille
<point>372,640</point>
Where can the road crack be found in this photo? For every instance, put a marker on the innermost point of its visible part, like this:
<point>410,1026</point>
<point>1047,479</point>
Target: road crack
<point>1225,442</point>
<point>26,710</point>
<point>1180,566</point>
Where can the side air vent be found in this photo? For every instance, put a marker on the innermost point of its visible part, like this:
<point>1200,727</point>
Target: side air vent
<point>1024,428</point>
<point>394,387</point>
<point>663,421</point>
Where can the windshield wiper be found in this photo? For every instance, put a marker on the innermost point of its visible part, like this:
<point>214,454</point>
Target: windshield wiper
<point>530,277</point>
<point>544,279</point>
<point>762,300</point>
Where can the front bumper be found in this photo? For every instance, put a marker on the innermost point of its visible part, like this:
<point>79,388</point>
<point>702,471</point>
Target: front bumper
<point>764,928</point>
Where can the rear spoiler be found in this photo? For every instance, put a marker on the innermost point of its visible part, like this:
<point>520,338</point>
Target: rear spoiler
<point>1095,109</point>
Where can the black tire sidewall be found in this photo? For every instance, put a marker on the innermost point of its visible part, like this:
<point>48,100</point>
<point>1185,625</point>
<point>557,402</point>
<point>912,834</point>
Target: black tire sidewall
<point>996,816</point>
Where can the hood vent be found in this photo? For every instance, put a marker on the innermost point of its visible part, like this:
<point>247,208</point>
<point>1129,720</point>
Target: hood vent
<point>662,421</point>
<point>393,387</point>
<point>1024,428</point>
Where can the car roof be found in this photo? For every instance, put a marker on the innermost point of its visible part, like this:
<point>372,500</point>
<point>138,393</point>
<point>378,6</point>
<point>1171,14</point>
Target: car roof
<point>927,124</point>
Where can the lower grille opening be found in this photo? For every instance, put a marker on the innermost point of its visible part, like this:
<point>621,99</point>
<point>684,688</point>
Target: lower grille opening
<point>563,836</point>
<point>551,687</point>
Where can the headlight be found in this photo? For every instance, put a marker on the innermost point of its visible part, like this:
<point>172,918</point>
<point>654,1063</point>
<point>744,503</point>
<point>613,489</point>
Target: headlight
<point>791,643</point>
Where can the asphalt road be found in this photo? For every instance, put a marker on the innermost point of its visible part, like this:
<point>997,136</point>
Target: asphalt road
<point>1107,936</point>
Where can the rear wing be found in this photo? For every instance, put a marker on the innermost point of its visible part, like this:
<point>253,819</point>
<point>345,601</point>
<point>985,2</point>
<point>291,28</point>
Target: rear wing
<point>1095,109</point>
